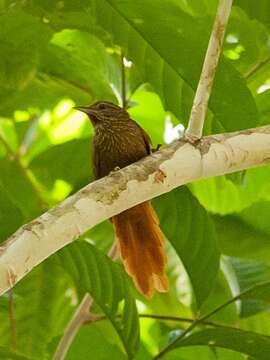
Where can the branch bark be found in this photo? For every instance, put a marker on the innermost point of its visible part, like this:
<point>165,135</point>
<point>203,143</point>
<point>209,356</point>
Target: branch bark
<point>164,170</point>
<point>73,327</point>
<point>199,108</point>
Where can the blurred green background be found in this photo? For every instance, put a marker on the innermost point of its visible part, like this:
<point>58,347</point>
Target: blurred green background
<point>58,54</point>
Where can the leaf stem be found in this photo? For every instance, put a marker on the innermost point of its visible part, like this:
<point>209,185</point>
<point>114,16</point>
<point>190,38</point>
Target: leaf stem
<point>256,68</point>
<point>73,327</point>
<point>123,81</point>
<point>203,92</point>
<point>81,316</point>
<point>6,145</point>
<point>12,321</point>
<point>208,315</point>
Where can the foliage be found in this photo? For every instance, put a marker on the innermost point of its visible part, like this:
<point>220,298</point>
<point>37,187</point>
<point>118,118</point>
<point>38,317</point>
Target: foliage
<point>55,54</point>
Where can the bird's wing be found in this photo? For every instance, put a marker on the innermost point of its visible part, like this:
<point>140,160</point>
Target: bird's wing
<point>96,162</point>
<point>146,138</point>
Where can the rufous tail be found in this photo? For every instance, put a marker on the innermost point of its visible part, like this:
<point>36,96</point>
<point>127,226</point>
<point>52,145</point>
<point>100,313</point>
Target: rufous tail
<point>141,246</point>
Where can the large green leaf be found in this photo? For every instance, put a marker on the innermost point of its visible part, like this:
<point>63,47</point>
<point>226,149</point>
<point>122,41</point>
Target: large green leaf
<point>10,355</point>
<point>259,11</point>
<point>191,232</point>
<point>249,343</point>
<point>237,238</point>
<point>222,196</point>
<point>70,161</point>
<point>41,311</point>
<point>20,187</point>
<point>257,216</point>
<point>90,343</point>
<point>80,59</point>
<point>10,216</point>
<point>221,293</point>
<point>108,285</point>
<point>169,51</point>
<point>203,353</point>
<point>248,274</point>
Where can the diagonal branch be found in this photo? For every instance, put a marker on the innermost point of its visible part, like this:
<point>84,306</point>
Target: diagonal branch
<point>199,108</point>
<point>164,170</point>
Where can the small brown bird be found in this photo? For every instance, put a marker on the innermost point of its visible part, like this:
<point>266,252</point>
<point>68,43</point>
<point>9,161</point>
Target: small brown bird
<point>118,142</point>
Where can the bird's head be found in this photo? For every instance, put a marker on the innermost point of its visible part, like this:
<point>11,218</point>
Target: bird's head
<point>103,111</point>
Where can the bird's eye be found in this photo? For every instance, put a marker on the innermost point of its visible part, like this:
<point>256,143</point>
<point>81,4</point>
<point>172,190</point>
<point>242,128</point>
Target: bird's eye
<point>101,106</point>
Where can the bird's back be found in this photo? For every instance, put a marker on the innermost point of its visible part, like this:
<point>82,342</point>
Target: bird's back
<point>117,144</point>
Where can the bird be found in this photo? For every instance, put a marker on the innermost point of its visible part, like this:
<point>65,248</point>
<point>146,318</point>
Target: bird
<point>119,141</point>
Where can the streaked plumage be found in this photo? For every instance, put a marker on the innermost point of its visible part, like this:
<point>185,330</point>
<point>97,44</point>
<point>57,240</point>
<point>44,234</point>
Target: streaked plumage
<point>118,142</point>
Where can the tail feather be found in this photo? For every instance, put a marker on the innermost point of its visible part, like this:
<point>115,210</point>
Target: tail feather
<point>141,245</point>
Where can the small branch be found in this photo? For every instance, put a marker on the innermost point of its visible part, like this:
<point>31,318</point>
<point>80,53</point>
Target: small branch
<point>93,318</point>
<point>199,108</point>
<point>14,156</point>
<point>12,321</point>
<point>181,162</point>
<point>256,68</point>
<point>123,82</point>
<point>203,318</point>
<point>81,316</point>
<point>73,327</point>
<point>113,252</point>
<point>7,146</point>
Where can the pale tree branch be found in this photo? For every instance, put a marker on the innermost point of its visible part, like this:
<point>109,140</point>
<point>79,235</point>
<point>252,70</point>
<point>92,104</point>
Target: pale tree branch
<point>176,164</point>
<point>200,103</point>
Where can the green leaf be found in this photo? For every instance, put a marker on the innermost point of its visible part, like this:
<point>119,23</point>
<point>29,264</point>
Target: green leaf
<point>9,355</point>
<point>222,196</point>
<point>259,11</point>
<point>191,232</point>
<point>90,343</point>
<point>11,218</point>
<point>203,353</point>
<point>248,274</point>
<point>70,161</point>
<point>258,323</point>
<point>249,343</point>
<point>41,309</point>
<point>237,238</point>
<point>21,37</point>
<point>221,293</point>
<point>262,101</point>
<point>155,48</point>
<point>14,178</point>
<point>80,59</point>
<point>257,216</point>
<point>107,284</point>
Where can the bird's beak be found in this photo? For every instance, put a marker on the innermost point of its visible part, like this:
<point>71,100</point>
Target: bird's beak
<point>85,109</point>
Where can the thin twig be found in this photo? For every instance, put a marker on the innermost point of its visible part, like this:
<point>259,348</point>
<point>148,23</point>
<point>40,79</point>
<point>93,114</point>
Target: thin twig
<point>7,146</point>
<point>12,321</point>
<point>73,328</point>
<point>93,318</point>
<point>256,68</point>
<point>81,316</point>
<point>26,171</point>
<point>123,82</point>
<point>203,318</point>
<point>113,252</point>
<point>199,108</point>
